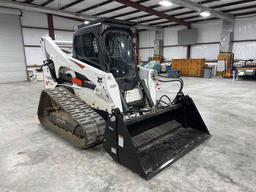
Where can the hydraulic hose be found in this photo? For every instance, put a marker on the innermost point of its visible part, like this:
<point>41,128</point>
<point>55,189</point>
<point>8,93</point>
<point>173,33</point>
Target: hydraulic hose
<point>177,79</point>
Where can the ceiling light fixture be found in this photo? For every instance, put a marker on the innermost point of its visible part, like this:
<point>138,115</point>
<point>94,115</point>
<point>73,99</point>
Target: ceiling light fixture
<point>165,3</point>
<point>205,14</point>
<point>86,22</point>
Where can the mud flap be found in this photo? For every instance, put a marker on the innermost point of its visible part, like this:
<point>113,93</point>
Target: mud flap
<point>150,143</point>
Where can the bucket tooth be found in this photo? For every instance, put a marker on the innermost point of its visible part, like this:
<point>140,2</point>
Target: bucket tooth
<point>150,143</point>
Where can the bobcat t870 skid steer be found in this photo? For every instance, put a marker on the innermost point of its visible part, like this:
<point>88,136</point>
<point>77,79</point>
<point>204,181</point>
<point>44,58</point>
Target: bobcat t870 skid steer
<point>99,95</point>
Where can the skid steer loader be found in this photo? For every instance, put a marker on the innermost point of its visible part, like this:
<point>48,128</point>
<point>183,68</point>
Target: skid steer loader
<point>99,95</point>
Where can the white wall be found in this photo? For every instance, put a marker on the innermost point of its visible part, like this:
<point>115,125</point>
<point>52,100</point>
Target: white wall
<point>64,28</point>
<point>245,29</point>
<point>175,52</point>
<point>171,39</point>
<point>146,43</point>
<point>30,22</point>
<point>207,33</point>
<point>207,51</point>
<point>65,24</point>
<point>171,35</point>
<point>207,43</point>
<point>146,53</point>
<point>35,25</point>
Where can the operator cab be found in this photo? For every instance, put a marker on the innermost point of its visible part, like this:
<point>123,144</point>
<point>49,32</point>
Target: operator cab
<point>109,45</point>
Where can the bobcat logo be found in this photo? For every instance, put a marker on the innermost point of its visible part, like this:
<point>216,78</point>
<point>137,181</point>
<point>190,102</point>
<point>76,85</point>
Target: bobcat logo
<point>100,79</point>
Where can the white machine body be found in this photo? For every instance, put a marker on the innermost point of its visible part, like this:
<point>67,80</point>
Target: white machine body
<point>106,95</point>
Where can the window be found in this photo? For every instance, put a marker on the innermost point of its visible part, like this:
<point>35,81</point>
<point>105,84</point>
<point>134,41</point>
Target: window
<point>86,48</point>
<point>121,53</point>
<point>119,45</point>
<point>90,45</point>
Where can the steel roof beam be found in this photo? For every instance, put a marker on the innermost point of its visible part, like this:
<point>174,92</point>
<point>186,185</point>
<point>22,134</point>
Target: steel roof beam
<point>37,8</point>
<point>94,6</point>
<point>169,10</point>
<point>28,1</point>
<point>46,3</point>
<point>224,11</point>
<point>246,13</point>
<point>212,7</point>
<point>152,11</point>
<point>67,14</point>
<point>118,8</point>
<point>132,12</point>
<point>71,4</point>
<point>197,7</point>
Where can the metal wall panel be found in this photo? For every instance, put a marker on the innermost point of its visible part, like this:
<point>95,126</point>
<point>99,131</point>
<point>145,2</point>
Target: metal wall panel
<point>245,28</point>
<point>245,50</point>
<point>34,19</point>
<point>63,23</point>
<point>63,35</point>
<point>33,36</point>
<point>12,60</point>
<point>34,56</point>
<point>171,35</point>
<point>175,52</point>
<point>145,54</point>
<point>208,32</point>
<point>9,11</point>
<point>207,51</point>
<point>146,39</point>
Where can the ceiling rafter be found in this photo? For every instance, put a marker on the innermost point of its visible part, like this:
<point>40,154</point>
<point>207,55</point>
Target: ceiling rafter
<point>232,4</point>
<point>175,15</point>
<point>118,8</point>
<point>46,3</point>
<point>195,21</point>
<point>225,11</point>
<point>132,12</point>
<point>169,10</point>
<point>95,6</point>
<point>28,1</point>
<point>146,15</point>
<point>71,4</point>
<point>212,7</point>
<point>203,2</point>
<point>246,13</point>
<point>148,9</point>
<point>239,8</point>
<point>200,8</point>
<point>152,11</point>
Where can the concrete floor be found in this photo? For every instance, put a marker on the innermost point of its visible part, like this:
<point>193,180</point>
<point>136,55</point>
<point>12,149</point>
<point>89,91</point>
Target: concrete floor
<point>33,159</point>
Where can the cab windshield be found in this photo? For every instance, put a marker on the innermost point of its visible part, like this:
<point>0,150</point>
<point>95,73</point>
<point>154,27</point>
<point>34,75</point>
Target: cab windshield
<point>121,53</point>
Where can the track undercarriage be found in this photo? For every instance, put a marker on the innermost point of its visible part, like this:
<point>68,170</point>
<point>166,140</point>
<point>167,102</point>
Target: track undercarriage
<point>68,116</point>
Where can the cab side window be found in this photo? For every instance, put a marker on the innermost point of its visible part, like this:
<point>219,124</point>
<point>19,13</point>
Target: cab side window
<point>90,45</point>
<point>86,48</point>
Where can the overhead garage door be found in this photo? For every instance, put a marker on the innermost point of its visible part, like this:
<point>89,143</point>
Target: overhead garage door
<point>12,60</point>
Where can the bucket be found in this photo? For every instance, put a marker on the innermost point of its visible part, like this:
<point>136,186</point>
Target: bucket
<point>152,142</point>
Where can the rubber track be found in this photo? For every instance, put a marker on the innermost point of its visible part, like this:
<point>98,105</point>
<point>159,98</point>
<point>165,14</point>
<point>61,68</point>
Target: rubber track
<point>86,117</point>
